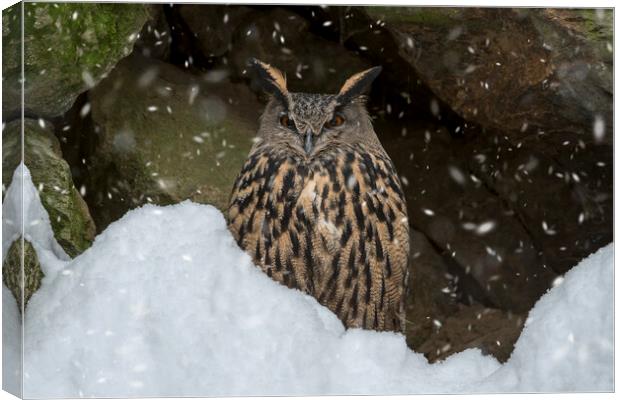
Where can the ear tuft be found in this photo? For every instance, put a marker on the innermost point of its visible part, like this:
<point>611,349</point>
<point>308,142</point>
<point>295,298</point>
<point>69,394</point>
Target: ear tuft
<point>357,84</point>
<point>270,78</point>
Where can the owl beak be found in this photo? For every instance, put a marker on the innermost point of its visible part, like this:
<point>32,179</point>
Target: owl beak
<point>309,142</point>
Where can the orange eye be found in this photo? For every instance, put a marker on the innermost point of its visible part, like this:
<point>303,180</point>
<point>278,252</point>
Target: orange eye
<point>286,121</point>
<point>336,121</point>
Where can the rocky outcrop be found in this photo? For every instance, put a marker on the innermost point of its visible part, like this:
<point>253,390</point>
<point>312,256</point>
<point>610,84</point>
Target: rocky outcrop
<point>491,330</point>
<point>432,293</point>
<point>520,189</point>
<point>518,70</point>
<point>486,246</point>
<point>165,136</point>
<point>155,38</point>
<point>276,36</point>
<point>560,193</point>
<point>72,224</point>
<point>68,48</point>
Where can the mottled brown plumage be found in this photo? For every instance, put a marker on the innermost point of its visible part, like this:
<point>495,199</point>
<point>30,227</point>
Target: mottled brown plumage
<point>319,207</point>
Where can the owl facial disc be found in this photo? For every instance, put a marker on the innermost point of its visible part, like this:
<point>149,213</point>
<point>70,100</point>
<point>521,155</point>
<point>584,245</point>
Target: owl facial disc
<point>310,119</point>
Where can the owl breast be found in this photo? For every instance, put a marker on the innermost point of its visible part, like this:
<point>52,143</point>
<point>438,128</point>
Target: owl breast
<point>333,226</point>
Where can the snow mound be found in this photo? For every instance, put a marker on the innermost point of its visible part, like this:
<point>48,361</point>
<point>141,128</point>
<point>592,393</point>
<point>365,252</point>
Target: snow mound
<point>567,343</point>
<point>165,304</point>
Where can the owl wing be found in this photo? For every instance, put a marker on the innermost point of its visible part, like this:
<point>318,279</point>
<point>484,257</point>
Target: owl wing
<point>374,241</point>
<point>360,238</point>
<point>266,221</point>
<point>335,229</point>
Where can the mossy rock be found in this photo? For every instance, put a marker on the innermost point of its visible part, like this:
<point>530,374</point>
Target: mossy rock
<point>166,136</point>
<point>12,271</point>
<point>73,227</point>
<point>68,48</point>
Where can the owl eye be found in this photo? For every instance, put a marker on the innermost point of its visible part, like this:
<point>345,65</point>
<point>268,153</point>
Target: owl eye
<point>337,120</point>
<point>287,122</point>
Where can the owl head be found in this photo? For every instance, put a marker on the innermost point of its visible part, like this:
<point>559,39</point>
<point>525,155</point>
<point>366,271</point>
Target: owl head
<point>311,121</point>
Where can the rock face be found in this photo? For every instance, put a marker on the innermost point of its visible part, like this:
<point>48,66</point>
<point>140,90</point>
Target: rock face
<point>560,193</point>
<point>12,271</point>
<point>518,70</point>
<point>68,48</point>
<point>538,84</point>
<point>216,30</point>
<point>431,295</point>
<point>155,37</point>
<point>276,36</point>
<point>480,238</point>
<point>71,221</point>
<point>165,136</point>
<point>491,330</point>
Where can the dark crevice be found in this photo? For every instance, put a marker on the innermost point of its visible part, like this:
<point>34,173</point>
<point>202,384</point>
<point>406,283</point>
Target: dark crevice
<point>469,289</point>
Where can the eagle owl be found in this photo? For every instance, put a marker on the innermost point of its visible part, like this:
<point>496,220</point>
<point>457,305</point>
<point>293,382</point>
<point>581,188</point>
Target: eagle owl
<point>319,206</point>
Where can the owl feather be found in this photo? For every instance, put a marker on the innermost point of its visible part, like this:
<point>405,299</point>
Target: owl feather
<point>329,219</point>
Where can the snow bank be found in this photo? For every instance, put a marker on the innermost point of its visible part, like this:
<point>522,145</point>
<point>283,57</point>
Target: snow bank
<point>11,344</point>
<point>165,304</point>
<point>567,342</point>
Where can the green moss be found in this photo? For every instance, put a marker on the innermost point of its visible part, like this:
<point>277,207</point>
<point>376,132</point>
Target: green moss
<point>598,25</point>
<point>67,46</point>
<point>73,228</point>
<point>593,27</point>
<point>12,271</point>
<point>11,32</point>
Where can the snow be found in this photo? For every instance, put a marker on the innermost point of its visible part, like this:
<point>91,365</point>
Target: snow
<point>165,304</point>
<point>11,344</point>
<point>36,222</point>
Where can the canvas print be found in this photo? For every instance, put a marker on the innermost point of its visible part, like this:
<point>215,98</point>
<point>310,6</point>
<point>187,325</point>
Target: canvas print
<point>228,200</point>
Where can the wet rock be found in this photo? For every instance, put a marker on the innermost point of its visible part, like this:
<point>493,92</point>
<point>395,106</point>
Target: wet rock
<point>561,192</point>
<point>438,322</point>
<point>492,331</point>
<point>12,271</point>
<point>155,38</point>
<point>431,295</point>
<point>276,36</point>
<point>512,69</point>
<point>68,48</point>
<point>71,222</point>
<point>165,135</point>
<point>216,27</point>
<point>490,251</point>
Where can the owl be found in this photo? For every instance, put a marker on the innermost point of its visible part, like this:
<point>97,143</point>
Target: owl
<point>319,206</point>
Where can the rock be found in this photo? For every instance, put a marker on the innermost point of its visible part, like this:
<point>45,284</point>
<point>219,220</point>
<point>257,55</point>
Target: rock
<point>493,331</point>
<point>431,294</point>
<point>215,26</point>
<point>155,38</point>
<point>12,271</point>
<point>439,323</point>
<point>492,254</point>
<point>562,193</point>
<point>276,36</point>
<point>69,47</point>
<point>71,222</point>
<point>165,136</point>
<point>512,69</point>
